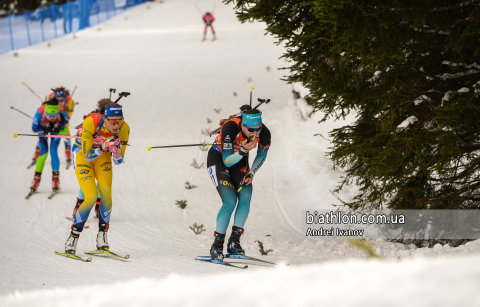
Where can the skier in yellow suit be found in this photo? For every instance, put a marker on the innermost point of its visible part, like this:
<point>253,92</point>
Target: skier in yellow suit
<point>102,137</point>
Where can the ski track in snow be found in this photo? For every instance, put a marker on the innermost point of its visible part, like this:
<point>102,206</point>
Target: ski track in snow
<point>176,81</point>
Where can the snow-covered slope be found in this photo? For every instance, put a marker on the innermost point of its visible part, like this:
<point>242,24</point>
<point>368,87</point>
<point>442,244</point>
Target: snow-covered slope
<point>176,82</point>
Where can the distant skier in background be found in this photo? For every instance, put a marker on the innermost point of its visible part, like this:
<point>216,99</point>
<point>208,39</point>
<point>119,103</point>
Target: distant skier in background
<point>100,137</point>
<point>49,119</point>
<point>232,176</point>
<point>67,104</point>
<point>208,20</point>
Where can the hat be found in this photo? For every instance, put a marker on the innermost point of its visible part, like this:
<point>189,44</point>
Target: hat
<point>113,111</point>
<point>252,120</point>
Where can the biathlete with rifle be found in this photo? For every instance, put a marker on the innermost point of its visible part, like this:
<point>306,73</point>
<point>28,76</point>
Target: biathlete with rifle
<point>49,119</point>
<point>101,136</point>
<point>229,170</point>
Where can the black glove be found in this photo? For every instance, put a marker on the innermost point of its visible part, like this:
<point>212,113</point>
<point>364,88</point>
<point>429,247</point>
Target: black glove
<point>56,129</point>
<point>47,128</point>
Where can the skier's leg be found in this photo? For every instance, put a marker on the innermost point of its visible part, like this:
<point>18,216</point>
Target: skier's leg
<point>86,179</point>
<point>103,171</point>
<point>243,208</point>
<point>43,144</point>
<point>54,142</point>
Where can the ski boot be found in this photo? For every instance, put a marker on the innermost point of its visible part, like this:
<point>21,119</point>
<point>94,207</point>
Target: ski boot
<point>77,205</point>
<point>97,208</point>
<point>233,246</point>
<point>216,251</point>
<point>71,244</point>
<point>214,38</point>
<point>102,242</point>
<point>36,181</point>
<point>68,155</point>
<point>56,181</point>
<point>204,38</point>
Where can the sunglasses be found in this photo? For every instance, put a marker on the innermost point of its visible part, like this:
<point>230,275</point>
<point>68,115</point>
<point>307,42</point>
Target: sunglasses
<point>52,115</point>
<point>253,129</point>
<point>114,121</point>
<point>61,99</point>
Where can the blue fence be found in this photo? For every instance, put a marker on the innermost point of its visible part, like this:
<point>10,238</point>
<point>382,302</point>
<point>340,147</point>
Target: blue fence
<point>20,31</point>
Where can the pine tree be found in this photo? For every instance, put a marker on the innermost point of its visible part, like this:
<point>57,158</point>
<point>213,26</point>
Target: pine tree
<point>409,71</point>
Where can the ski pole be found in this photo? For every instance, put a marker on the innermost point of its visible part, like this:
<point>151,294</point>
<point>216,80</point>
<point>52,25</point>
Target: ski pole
<point>23,82</point>
<point>251,90</point>
<point>20,112</point>
<point>186,145</point>
<point>213,11</point>
<point>15,135</point>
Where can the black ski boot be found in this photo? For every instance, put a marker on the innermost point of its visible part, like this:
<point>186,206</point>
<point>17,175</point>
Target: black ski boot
<point>233,246</point>
<point>216,251</point>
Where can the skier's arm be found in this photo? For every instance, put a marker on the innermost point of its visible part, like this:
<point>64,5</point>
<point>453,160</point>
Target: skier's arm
<point>124,135</point>
<point>36,127</point>
<point>229,133</point>
<point>263,146</point>
<point>64,119</point>
<point>89,153</point>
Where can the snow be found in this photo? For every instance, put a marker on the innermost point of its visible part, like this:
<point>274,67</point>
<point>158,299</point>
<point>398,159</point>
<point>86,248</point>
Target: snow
<point>409,121</point>
<point>420,282</point>
<point>176,82</point>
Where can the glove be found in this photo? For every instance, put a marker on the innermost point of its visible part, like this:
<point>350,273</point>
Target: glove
<point>47,128</point>
<point>244,151</point>
<point>242,183</point>
<point>115,148</point>
<point>110,144</point>
<point>56,129</point>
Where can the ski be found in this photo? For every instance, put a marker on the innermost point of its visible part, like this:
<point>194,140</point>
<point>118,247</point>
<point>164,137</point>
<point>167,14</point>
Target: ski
<point>242,257</point>
<point>248,258</point>
<point>71,220</point>
<point>32,191</point>
<point>106,252</point>
<point>34,162</point>
<point>54,192</point>
<point>221,262</point>
<point>73,256</point>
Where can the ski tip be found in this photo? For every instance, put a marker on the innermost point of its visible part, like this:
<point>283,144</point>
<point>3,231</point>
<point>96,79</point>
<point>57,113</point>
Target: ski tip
<point>15,135</point>
<point>149,148</point>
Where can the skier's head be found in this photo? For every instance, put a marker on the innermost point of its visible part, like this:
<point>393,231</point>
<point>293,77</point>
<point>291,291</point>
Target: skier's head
<point>52,109</point>
<point>251,122</point>
<point>112,114</point>
<point>60,94</point>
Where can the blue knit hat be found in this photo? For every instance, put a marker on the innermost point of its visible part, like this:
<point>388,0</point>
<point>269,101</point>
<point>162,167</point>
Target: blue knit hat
<point>252,120</point>
<point>111,111</point>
